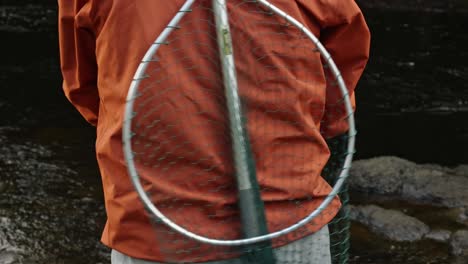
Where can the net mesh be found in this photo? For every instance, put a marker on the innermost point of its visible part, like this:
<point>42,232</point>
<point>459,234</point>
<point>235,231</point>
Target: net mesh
<point>182,147</point>
<point>340,225</point>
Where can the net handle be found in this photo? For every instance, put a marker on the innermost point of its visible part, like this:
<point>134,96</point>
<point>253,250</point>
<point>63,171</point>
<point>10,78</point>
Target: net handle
<point>127,133</point>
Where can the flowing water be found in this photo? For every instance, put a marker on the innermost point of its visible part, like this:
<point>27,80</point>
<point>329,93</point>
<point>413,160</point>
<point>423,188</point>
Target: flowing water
<point>412,103</point>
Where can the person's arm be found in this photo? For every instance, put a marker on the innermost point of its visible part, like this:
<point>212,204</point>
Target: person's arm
<point>77,57</point>
<point>345,35</point>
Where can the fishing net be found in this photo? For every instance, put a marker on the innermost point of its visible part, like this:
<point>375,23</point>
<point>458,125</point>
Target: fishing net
<point>179,139</point>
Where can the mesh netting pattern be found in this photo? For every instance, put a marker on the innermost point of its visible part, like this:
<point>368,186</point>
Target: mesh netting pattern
<point>181,141</point>
<point>339,227</point>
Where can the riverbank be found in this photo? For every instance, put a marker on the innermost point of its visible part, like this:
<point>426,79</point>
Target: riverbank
<point>51,211</point>
<point>51,208</point>
<point>412,103</point>
<point>417,213</point>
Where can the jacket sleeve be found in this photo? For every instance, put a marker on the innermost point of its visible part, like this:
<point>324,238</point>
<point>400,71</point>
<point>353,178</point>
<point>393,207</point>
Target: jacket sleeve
<point>345,35</point>
<point>77,57</point>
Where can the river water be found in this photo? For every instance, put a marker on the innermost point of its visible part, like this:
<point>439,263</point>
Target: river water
<point>412,103</point>
<point>414,97</point>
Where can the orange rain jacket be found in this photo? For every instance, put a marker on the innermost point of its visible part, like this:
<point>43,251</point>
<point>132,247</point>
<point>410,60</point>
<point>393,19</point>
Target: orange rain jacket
<point>101,45</point>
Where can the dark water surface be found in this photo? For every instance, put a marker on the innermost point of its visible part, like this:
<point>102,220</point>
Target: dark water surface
<point>413,98</point>
<point>412,103</point>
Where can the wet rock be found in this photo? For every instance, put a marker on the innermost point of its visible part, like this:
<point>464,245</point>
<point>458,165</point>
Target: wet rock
<point>461,170</point>
<point>436,187</point>
<point>8,257</point>
<point>391,224</point>
<point>53,213</point>
<point>463,216</point>
<point>10,253</point>
<point>430,184</point>
<point>459,243</point>
<point>458,215</point>
<point>439,235</point>
<point>380,175</point>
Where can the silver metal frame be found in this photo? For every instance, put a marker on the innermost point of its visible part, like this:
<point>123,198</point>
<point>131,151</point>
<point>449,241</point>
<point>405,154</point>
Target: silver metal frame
<point>127,133</point>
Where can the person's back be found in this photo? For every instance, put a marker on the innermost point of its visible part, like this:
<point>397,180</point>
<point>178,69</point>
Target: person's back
<point>102,43</point>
